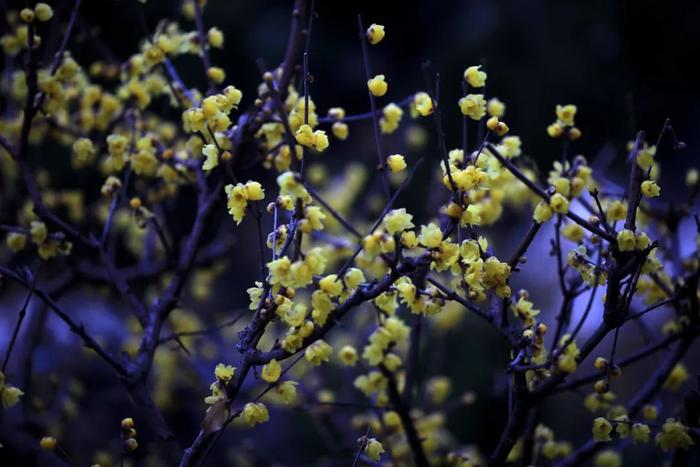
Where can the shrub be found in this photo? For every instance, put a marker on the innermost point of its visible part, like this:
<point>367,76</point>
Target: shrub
<point>183,192</point>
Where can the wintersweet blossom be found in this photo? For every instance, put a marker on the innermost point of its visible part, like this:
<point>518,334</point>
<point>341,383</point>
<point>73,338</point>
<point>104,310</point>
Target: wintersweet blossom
<point>375,33</point>
<point>473,106</point>
<point>475,77</point>
<point>378,85</point>
<point>255,413</point>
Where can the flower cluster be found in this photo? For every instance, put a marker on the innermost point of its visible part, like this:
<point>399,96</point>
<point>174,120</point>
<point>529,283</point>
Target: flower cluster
<point>351,281</point>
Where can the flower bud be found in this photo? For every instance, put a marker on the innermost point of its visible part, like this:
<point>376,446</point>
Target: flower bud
<point>48,443</point>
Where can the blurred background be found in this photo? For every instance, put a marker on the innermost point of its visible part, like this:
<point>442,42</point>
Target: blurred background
<point>627,65</point>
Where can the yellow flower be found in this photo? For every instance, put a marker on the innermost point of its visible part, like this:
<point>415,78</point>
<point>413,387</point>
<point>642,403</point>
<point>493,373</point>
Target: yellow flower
<point>26,15</point>
<point>542,213</point>
<point>392,420</point>
<point>626,240</point>
<point>48,443</point>
<point>566,114</point>
<point>305,135</point>
<point>473,106</point>
<point>110,186</point>
<point>673,435</point>
<point>218,393</point>
<point>279,270</point>
<point>231,97</point>
<point>38,232</point>
<point>640,433</point>
<point>16,241</point>
<point>320,140</point>
<point>500,128</point>
<point>294,317</point>
<point>645,157</point>
<point>391,116</point>
<point>649,412</point>
<point>375,33</point>
<point>510,146</point>
<point>397,221</point>
<point>562,185</point>
<point>216,74</point>
<point>408,239</point>
<point>289,185</point>
<point>567,363</point>
<point>616,211</point>
<point>622,426</point>
<point>423,103</point>
<point>475,77</point>
<point>600,363</point>
<point>83,152</point>
<point>322,306</point>
<point>573,232</point>
<point>387,302</point>
<point>340,130</point>
<point>237,201</point>
<point>313,219</point>
<point>601,429</point>
<point>471,215</point>
<point>255,413</point>
<point>272,371</point>
<point>318,352</point>
<point>559,203</point>
<point>9,395</point>
<point>215,37</point>
<point>212,157</point>
<point>353,278</point>
<point>43,12</point>
<point>396,163</point>
<point>374,449</point>
<point>348,355</point>
<point>336,113</point>
<point>224,373</point>
<point>430,235</point>
<point>524,309</point>
<point>254,191</point>
<point>287,391</point>
<point>331,285</point>
<point>495,108</point>
<point>650,189</point>
<point>607,458</point>
<point>555,130</point>
<point>677,377</point>
<point>144,162</point>
<point>439,388</point>
<point>377,85</point>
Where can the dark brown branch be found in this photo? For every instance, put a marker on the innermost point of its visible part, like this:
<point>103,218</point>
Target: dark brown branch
<point>634,195</point>
<point>291,57</point>
<point>403,103</point>
<point>77,329</point>
<point>419,457</point>
<point>332,211</point>
<point>524,244</point>
<point>20,319</point>
<point>517,418</point>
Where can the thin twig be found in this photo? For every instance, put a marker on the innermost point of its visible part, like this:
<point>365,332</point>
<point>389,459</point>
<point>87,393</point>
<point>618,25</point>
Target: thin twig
<point>375,120</point>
